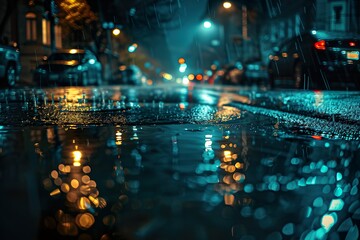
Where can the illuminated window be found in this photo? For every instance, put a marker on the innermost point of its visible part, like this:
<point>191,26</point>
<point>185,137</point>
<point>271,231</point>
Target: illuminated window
<point>46,32</point>
<point>46,37</point>
<point>58,36</point>
<point>30,26</point>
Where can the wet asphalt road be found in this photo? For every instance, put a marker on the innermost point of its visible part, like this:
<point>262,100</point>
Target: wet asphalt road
<point>179,163</point>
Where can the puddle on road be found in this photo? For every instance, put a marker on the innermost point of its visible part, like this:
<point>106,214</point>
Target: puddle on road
<point>226,181</point>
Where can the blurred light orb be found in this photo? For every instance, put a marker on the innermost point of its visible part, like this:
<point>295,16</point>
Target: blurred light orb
<point>132,12</point>
<point>227,5</point>
<point>131,48</point>
<point>116,32</point>
<point>207,24</point>
<point>181,60</point>
<point>182,67</point>
<point>191,76</point>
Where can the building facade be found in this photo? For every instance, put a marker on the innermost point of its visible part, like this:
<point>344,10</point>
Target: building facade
<point>28,27</point>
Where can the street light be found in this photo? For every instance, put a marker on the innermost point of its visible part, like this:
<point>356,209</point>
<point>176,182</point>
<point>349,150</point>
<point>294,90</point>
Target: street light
<point>227,5</point>
<point>207,24</point>
<point>116,31</point>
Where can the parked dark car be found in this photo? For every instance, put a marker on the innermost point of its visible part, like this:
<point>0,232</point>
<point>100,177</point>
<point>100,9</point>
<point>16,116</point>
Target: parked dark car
<point>10,66</point>
<point>71,67</point>
<point>317,60</point>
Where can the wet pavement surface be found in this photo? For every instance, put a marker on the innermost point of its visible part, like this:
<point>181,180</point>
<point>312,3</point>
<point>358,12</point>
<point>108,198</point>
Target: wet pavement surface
<point>207,163</point>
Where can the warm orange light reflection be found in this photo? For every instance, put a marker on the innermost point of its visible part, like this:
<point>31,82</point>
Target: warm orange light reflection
<point>77,164</point>
<point>65,187</point>
<point>83,203</point>
<point>77,155</point>
<point>74,183</point>
<point>238,176</point>
<point>55,192</point>
<point>54,174</point>
<point>85,179</point>
<point>239,165</point>
<point>227,156</point>
<point>229,199</point>
<point>231,169</point>
<point>87,169</point>
<point>61,167</point>
<point>182,106</point>
<point>118,138</point>
<point>85,220</point>
<point>95,201</point>
<point>67,169</point>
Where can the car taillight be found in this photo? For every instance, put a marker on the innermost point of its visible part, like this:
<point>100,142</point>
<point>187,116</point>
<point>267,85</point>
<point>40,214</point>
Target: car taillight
<point>320,45</point>
<point>352,44</point>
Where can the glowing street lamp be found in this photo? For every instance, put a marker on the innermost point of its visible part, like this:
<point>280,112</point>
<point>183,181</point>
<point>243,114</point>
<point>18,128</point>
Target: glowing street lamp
<point>116,31</point>
<point>227,5</point>
<point>207,24</point>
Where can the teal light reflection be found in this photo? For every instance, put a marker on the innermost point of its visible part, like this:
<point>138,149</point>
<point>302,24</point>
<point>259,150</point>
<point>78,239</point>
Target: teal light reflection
<point>336,205</point>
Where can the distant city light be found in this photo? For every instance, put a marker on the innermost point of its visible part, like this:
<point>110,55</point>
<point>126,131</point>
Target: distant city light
<point>207,24</point>
<point>313,32</point>
<point>132,48</point>
<point>181,60</point>
<point>191,76</point>
<point>116,31</point>
<point>199,77</point>
<point>185,80</point>
<point>227,5</point>
<point>182,67</point>
<point>167,76</point>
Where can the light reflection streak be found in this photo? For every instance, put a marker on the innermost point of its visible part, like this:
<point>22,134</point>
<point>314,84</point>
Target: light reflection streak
<point>78,191</point>
<point>232,168</point>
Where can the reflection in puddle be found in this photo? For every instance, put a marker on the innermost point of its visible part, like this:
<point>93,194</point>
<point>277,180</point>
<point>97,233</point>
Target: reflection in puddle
<point>71,184</point>
<point>178,182</point>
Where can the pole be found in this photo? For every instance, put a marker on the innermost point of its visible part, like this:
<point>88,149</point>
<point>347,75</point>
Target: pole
<point>52,28</point>
<point>108,66</point>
